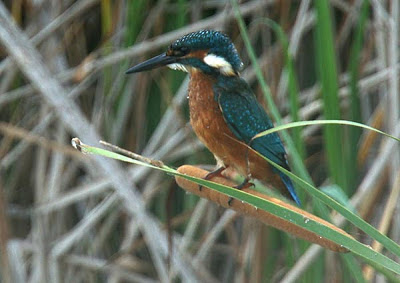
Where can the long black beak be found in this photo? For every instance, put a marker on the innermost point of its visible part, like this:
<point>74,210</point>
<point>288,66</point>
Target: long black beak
<point>155,62</point>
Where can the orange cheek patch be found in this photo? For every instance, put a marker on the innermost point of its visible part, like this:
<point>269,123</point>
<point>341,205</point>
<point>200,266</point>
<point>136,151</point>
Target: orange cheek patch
<point>200,54</point>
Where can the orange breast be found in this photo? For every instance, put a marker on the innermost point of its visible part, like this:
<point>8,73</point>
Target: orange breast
<point>210,127</point>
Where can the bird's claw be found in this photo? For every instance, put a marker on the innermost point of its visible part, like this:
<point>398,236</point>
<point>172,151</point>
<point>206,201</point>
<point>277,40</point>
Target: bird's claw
<point>244,185</point>
<point>213,174</point>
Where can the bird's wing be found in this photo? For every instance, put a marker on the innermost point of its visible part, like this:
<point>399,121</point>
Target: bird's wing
<point>246,117</point>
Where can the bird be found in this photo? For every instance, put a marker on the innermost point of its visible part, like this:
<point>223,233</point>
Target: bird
<point>224,112</point>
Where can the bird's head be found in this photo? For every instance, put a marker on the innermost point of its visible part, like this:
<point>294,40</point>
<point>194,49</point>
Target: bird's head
<point>209,51</point>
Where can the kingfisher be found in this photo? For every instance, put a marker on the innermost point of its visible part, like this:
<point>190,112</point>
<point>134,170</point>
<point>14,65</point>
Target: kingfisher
<point>224,112</point>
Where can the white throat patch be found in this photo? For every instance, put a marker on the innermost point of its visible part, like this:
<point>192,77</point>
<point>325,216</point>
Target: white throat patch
<point>219,63</point>
<point>177,66</point>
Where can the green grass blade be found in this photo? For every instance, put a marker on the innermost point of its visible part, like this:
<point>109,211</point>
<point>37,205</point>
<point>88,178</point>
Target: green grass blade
<point>353,268</point>
<point>356,220</point>
<point>293,87</point>
<point>326,69</point>
<point>322,122</point>
<point>355,107</point>
<point>282,212</point>
<point>350,216</point>
<point>134,20</point>
<point>336,192</point>
<point>106,29</point>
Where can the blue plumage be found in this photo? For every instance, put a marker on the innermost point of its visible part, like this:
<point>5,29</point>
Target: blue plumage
<point>289,185</point>
<point>246,118</point>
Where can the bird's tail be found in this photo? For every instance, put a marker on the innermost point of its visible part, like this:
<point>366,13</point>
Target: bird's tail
<point>289,185</point>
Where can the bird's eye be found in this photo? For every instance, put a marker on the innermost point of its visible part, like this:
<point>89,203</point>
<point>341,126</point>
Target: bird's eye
<point>182,51</point>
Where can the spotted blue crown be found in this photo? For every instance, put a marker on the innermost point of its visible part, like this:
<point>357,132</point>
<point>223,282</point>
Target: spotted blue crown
<point>214,42</point>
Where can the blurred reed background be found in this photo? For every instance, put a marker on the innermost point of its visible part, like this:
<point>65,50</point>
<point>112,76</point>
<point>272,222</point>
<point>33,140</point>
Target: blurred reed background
<point>66,218</point>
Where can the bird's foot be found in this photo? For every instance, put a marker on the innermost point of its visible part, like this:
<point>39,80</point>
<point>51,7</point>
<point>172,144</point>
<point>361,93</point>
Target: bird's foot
<point>213,174</point>
<point>244,185</point>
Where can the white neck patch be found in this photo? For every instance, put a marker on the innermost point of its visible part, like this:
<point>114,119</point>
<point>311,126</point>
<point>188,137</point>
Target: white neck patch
<point>219,63</point>
<point>179,67</point>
